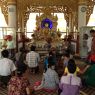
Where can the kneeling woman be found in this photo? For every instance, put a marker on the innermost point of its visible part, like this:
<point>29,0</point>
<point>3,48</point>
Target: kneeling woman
<point>50,80</point>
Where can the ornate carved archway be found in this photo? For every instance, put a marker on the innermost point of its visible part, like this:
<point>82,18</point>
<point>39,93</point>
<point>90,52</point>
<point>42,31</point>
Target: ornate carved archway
<point>24,7</point>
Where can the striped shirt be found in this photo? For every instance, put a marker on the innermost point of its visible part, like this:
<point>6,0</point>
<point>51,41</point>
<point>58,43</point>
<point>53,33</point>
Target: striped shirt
<point>32,59</point>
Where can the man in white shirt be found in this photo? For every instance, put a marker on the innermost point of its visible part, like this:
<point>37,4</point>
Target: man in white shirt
<point>89,41</point>
<point>32,59</point>
<point>6,68</point>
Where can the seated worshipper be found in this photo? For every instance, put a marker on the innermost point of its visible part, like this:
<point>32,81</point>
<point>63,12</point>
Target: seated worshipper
<point>32,59</point>
<point>46,62</point>
<point>49,81</point>
<point>88,77</point>
<point>89,72</point>
<point>53,56</point>
<point>69,47</point>
<point>76,72</point>
<point>66,59</point>
<point>70,84</point>
<point>7,67</point>
<point>19,84</point>
<point>20,59</point>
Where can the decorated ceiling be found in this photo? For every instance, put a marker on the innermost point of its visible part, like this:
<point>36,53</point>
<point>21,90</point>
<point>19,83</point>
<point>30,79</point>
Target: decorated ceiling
<point>25,7</point>
<point>71,4</point>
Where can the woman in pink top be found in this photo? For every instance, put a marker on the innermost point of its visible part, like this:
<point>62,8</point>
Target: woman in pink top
<point>70,84</point>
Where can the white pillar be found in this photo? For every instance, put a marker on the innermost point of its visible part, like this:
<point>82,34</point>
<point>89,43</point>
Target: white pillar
<point>12,19</point>
<point>12,13</point>
<point>70,22</point>
<point>82,15</point>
